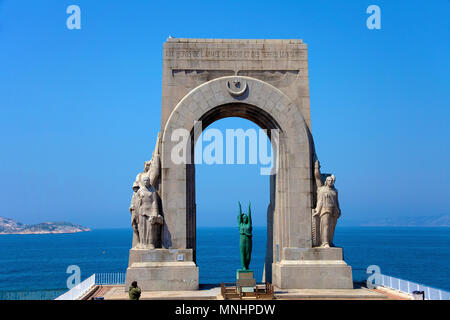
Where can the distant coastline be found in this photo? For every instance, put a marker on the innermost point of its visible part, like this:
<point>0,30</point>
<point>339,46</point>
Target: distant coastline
<point>10,226</point>
<point>421,221</point>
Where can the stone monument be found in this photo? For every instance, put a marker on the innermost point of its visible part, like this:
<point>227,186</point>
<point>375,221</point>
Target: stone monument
<point>264,81</point>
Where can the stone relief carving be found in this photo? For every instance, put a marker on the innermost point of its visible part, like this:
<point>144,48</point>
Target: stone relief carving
<point>146,219</point>
<point>327,210</point>
<point>237,87</point>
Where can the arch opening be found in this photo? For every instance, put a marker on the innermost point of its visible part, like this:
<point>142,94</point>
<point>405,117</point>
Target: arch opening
<point>264,121</point>
<point>289,218</point>
<point>218,188</point>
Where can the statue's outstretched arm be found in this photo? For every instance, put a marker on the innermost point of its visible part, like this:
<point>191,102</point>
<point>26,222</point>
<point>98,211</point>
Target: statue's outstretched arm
<point>240,213</point>
<point>317,174</point>
<point>249,214</point>
<point>155,166</point>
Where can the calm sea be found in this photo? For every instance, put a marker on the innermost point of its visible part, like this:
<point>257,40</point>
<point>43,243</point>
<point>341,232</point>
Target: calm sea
<point>38,263</point>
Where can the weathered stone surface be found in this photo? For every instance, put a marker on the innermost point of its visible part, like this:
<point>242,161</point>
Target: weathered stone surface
<point>312,274</point>
<point>302,254</point>
<point>163,276</point>
<point>188,63</point>
<point>159,255</point>
<point>312,268</point>
<point>162,269</point>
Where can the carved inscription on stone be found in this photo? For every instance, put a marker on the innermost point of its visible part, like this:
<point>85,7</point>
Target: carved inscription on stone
<point>235,54</point>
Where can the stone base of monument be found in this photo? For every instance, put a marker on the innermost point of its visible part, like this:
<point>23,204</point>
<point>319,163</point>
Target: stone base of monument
<point>246,280</point>
<point>162,269</point>
<point>313,268</point>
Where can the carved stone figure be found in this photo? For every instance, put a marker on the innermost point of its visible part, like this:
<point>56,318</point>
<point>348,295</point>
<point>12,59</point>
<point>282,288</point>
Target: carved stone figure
<point>146,219</point>
<point>327,208</point>
<point>134,214</point>
<point>149,218</point>
<point>245,241</point>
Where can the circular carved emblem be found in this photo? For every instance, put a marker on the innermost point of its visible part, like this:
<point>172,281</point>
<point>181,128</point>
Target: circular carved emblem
<point>237,87</point>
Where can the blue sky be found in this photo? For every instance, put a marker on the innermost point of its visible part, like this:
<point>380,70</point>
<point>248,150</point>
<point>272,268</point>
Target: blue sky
<point>80,109</point>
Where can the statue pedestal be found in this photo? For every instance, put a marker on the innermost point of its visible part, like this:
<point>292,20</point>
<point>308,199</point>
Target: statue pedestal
<point>312,268</point>
<point>162,269</point>
<point>246,280</point>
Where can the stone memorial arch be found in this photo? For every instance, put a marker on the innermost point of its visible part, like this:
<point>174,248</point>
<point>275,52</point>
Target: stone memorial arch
<point>264,81</point>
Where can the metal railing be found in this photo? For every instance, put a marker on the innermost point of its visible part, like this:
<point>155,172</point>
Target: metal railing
<point>79,290</point>
<point>82,288</point>
<point>409,287</point>
<point>110,278</point>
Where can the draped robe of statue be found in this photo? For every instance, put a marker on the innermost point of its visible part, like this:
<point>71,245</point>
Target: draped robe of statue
<point>327,209</point>
<point>146,217</point>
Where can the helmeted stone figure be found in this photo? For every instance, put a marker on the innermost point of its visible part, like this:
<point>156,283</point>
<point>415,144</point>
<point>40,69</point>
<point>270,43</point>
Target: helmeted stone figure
<point>327,208</point>
<point>144,208</point>
<point>245,241</point>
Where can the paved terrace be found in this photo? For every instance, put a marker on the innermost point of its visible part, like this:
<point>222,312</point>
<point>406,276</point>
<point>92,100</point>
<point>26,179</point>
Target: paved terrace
<point>212,292</point>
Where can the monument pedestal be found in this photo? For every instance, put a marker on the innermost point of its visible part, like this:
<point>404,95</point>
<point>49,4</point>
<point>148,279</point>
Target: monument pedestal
<point>162,269</point>
<point>246,280</point>
<point>312,268</point>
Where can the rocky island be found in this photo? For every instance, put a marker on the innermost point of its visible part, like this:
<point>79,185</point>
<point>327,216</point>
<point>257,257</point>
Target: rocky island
<point>10,226</point>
